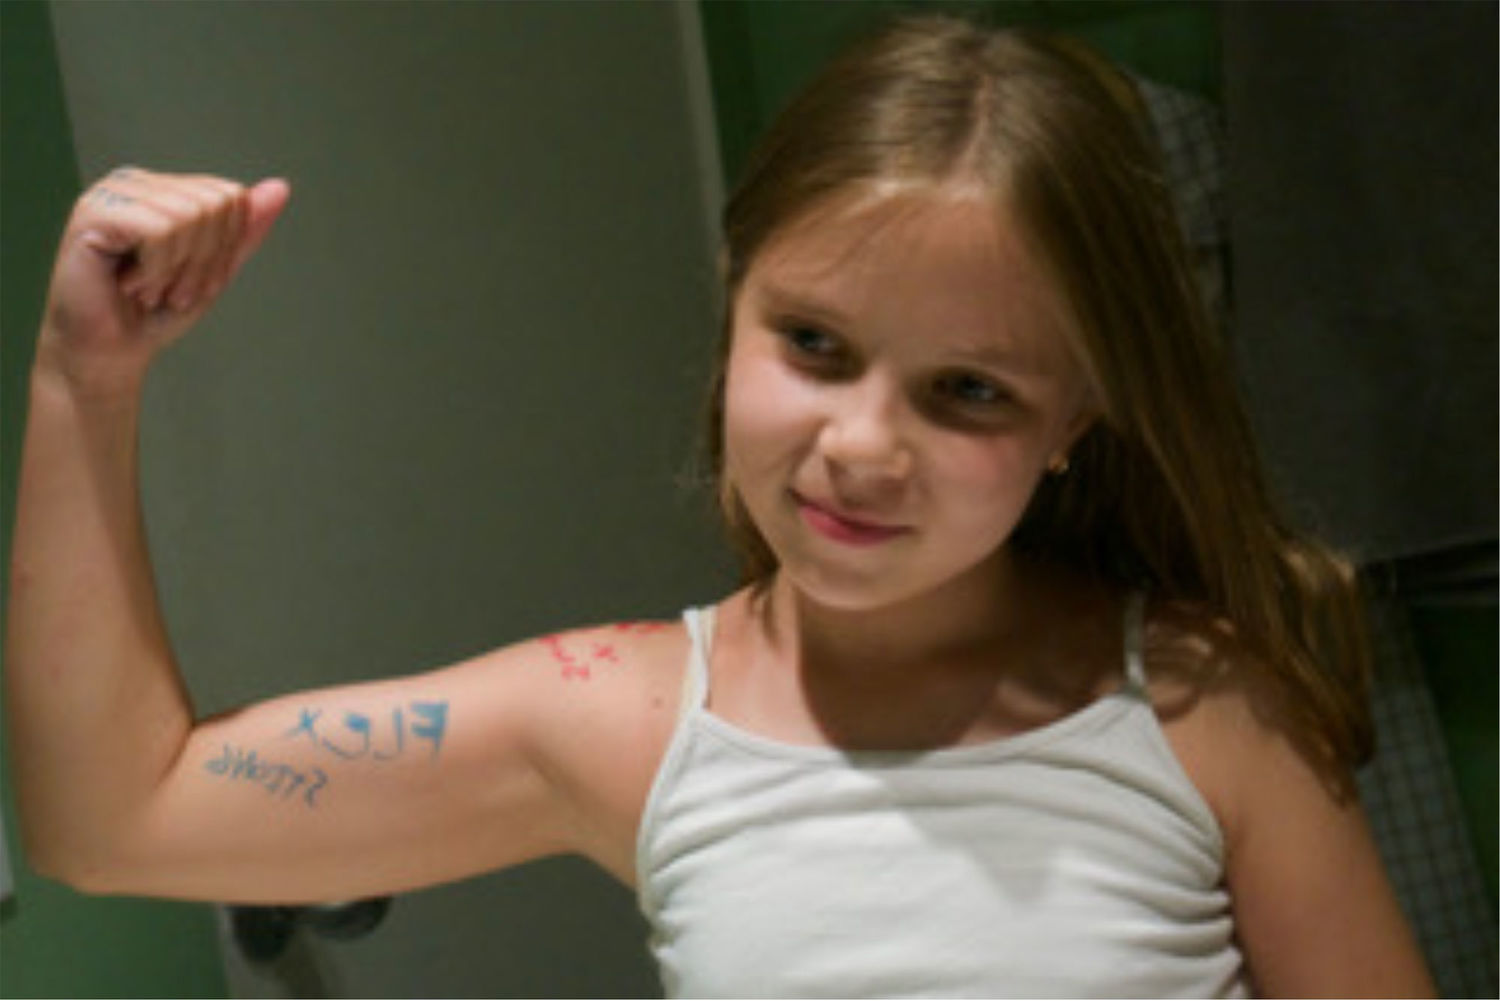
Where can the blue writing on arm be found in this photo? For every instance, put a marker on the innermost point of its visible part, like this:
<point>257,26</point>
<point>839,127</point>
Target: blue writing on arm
<point>280,780</point>
<point>320,779</point>
<point>307,720</point>
<point>221,765</point>
<point>358,724</point>
<point>398,727</point>
<point>364,736</point>
<point>435,715</point>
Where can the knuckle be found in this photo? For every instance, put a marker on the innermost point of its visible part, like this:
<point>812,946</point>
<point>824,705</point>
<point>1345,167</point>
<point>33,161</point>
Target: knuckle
<point>195,213</point>
<point>182,215</point>
<point>178,202</point>
<point>224,205</point>
<point>156,232</point>
<point>216,191</point>
<point>102,196</point>
<point>212,205</point>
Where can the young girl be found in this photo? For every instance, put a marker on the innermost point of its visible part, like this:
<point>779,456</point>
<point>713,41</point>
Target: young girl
<point>1029,691</point>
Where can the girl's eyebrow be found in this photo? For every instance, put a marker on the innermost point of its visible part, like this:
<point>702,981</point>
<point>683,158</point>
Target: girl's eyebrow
<point>780,299</point>
<point>989,355</point>
<point>1013,363</point>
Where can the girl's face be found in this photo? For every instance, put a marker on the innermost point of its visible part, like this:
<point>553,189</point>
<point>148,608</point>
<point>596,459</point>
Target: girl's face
<point>898,379</point>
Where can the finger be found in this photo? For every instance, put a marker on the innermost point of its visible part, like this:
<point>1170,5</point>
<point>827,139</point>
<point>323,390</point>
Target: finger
<point>124,230</point>
<point>176,239</point>
<point>173,267</point>
<point>241,222</point>
<point>109,207</point>
<point>96,218</point>
<point>183,248</point>
<point>163,259</point>
<point>264,204</point>
<point>121,189</point>
<point>231,227</point>
<point>159,256</point>
<point>204,232</point>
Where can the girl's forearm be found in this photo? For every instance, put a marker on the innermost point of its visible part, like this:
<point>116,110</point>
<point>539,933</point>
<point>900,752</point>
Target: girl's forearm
<point>96,711</point>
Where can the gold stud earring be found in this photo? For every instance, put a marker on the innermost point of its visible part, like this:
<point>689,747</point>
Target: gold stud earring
<point>1058,465</point>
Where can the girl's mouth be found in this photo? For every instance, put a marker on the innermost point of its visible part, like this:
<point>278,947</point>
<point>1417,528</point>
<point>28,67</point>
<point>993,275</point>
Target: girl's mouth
<point>842,528</point>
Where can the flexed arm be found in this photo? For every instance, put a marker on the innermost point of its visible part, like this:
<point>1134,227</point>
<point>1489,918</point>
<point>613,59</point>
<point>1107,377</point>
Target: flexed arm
<point>326,794</point>
<point>96,710</point>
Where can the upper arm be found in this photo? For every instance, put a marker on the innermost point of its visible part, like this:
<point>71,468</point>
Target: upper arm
<point>1314,912</point>
<point>373,788</point>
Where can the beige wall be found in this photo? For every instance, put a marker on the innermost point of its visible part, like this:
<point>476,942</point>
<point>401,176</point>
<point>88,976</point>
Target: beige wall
<point>449,405</point>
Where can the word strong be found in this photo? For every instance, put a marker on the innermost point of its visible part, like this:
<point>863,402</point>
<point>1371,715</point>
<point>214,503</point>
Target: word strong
<point>239,764</point>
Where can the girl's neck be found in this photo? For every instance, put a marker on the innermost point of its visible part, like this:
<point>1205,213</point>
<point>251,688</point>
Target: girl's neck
<point>1014,647</point>
<point>970,616</point>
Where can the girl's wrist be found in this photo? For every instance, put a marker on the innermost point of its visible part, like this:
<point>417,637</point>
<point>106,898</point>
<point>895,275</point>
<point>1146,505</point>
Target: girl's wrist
<point>101,381</point>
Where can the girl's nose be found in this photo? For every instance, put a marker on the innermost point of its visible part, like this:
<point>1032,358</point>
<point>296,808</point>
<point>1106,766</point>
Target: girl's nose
<point>864,438</point>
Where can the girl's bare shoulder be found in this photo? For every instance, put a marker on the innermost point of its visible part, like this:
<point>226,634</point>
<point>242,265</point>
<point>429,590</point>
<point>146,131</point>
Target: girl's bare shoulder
<point>618,657</point>
<point>1221,708</point>
<point>1314,911</point>
<point>608,697</point>
<point>610,689</point>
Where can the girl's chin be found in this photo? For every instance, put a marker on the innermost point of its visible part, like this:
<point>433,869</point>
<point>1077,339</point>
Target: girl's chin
<point>844,590</point>
<point>865,582</point>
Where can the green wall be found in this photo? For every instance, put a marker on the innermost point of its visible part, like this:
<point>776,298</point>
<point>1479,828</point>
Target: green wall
<point>53,942</point>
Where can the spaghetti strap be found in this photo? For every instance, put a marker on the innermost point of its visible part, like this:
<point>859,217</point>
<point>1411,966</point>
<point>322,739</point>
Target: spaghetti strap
<point>1135,660</point>
<point>700,627</point>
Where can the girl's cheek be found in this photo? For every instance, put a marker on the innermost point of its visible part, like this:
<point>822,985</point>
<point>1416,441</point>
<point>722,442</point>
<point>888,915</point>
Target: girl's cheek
<point>996,467</point>
<point>762,396</point>
<point>749,422</point>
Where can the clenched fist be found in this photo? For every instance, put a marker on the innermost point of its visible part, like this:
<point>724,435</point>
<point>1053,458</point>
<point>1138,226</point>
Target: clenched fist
<point>143,257</point>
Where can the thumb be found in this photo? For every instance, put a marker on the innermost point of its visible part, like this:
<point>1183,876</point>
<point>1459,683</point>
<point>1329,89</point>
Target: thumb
<point>265,203</point>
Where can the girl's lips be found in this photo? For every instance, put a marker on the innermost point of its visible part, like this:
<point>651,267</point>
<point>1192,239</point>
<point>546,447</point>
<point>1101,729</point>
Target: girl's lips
<point>844,529</point>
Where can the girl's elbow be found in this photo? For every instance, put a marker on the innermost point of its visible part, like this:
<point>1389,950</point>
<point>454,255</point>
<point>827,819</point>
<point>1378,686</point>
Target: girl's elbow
<point>86,865</point>
<point>68,868</point>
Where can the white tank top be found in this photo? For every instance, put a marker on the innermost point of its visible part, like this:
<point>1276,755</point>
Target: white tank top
<point>1074,860</point>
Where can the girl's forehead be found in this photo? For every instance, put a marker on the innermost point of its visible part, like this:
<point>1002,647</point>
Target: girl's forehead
<point>957,257</point>
<point>892,228</point>
<point>883,212</point>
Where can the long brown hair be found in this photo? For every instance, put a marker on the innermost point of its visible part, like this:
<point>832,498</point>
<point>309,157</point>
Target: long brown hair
<point>1166,491</point>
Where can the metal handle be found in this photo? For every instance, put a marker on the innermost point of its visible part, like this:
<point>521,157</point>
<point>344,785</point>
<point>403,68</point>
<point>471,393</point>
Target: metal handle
<point>263,933</point>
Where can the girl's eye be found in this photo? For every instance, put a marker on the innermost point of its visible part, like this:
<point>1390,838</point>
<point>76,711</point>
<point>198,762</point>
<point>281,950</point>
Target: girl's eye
<point>973,390</point>
<point>811,341</point>
<point>815,353</point>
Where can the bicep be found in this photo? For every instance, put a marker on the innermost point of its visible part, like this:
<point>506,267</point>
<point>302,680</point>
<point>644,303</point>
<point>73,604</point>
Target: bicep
<point>353,791</point>
<point>1315,912</point>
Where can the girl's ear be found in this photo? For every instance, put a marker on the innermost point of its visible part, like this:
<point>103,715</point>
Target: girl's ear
<point>1084,416</point>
